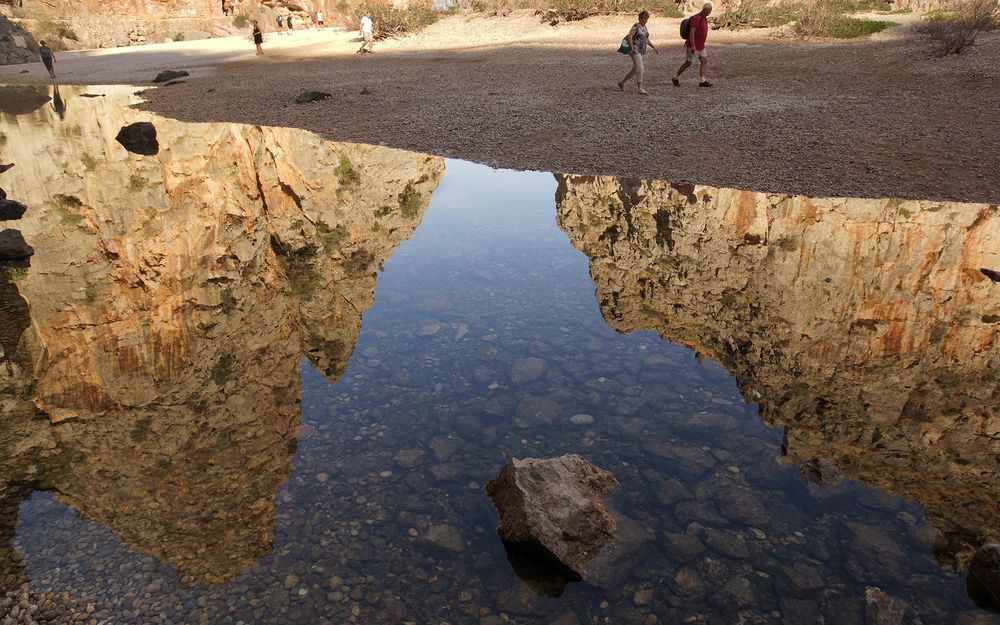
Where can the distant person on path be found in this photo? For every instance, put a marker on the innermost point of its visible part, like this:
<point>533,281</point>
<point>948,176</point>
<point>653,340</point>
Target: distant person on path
<point>638,39</point>
<point>47,57</point>
<point>319,18</point>
<point>366,34</point>
<point>694,47</point>
<point>258,37</point>
<point>281,22</point>
<point>288,21</point>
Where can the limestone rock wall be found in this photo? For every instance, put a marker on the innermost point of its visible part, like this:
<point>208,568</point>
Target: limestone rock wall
<point>865,327</point>
<point>16,44</point>
<point>171,298</point>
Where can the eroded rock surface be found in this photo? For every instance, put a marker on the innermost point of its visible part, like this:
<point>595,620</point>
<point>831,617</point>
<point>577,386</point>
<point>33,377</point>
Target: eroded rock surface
<point>865,327</point>
<point>555,506</point>
<point>156,388</point>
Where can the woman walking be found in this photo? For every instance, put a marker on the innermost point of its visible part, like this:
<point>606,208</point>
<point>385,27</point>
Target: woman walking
<point>638,39</point>
<point>258,37</point>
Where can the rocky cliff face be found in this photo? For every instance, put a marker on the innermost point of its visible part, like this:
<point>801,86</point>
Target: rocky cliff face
<point>171,298</point>
<point>16,44</point>
<point>870,329</point>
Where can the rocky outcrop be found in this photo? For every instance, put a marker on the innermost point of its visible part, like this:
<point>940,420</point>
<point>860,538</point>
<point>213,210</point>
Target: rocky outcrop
<point>865,327</point>
<point>16,44</point>
<point>552,510</point>
<point>171,299</point>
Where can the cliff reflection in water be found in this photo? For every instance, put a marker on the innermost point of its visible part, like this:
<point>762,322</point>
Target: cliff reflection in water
<point>866,327</point>
<point>155,386</point>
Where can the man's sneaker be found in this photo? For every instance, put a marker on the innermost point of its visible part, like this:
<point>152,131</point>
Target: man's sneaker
<point>705,83</point>
<point>677,83</point>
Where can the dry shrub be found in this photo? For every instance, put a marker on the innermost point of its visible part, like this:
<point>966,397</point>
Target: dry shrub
<point>388,21</point>
<point>755,14</point>
<point>554,11</point>
<point>827,19</point>
<point>953,31</point>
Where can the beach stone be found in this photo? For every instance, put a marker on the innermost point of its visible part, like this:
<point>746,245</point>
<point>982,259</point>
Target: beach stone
<point>726,543</point>
<point>798,611</point>
<point>536,411</point>
<point>9,209</point>
<point>845,611</point>
<point>555,505</point>
<point>170,74</point>
<point>139,138</point>
<point>682,547</point>
<point>581,419</point>
<point>643,597</point>
<point>883,609</point>
<point>526,370</point>
<point>312,96</point>
<point>446,537</point>
<point>409,458</point>
<point>735,594</point>
<point>13,246</point>
<point>984,572</point>
<point>801,576</point>
<point>689,582</point>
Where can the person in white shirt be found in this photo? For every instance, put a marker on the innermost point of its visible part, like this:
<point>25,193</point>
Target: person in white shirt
<point>319,19</point>
<point>367,35</point>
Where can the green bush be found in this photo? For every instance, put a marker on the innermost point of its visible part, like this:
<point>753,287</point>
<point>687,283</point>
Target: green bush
<point>555,11</point>
<point>826,19</point>
<point>241,21</point>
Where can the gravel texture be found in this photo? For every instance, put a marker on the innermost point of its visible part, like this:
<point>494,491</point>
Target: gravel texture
<point>877,118</point>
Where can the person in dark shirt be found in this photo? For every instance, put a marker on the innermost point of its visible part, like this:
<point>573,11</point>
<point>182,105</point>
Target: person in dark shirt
<point>47,57</point>
<point>694,47</point>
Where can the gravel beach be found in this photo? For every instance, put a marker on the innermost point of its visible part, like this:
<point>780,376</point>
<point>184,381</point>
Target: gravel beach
<point>876,118</point>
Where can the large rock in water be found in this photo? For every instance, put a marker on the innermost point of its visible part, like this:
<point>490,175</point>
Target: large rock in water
<point>555,508</point>
<point>984,576</point>
<point>139,138</point>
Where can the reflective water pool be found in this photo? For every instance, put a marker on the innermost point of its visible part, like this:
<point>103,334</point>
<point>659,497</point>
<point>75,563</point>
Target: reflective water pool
<point>260,377</point>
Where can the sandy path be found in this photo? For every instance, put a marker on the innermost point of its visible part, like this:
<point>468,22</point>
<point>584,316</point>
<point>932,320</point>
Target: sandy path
<point>878,118</point>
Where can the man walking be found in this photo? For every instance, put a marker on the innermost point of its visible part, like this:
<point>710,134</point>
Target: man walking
<point>367,35</point>
<point>694,47</point>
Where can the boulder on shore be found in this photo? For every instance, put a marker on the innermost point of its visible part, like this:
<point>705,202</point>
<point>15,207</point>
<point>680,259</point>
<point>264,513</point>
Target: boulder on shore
<point>554,508</point>
<point>312,96</point>
<point>170,74</point>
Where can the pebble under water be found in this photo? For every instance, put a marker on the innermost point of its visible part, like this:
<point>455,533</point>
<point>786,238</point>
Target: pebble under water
<point>259,377</point>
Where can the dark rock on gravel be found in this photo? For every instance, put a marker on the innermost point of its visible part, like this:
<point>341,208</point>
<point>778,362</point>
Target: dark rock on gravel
<point>170,74</point>
<point>139,138</point>
<point>312,96</point>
